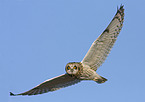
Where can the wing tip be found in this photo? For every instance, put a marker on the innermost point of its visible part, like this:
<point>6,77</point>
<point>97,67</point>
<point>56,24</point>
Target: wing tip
<point>11,94</point>
<point>120,10</point>
<point>121,7</point>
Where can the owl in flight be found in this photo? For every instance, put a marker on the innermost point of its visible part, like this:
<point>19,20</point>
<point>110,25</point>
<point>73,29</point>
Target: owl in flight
<point>86,69</point>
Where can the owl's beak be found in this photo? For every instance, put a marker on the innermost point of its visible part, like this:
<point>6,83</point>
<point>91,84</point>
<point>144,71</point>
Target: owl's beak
<point>71,70</point>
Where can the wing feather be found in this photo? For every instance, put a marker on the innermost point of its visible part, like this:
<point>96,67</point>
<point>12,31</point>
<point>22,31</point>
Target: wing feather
<point>51,85</point>
<point>101,47</point>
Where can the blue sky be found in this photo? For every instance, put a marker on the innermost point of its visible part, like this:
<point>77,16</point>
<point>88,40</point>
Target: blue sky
<point>39,37</point>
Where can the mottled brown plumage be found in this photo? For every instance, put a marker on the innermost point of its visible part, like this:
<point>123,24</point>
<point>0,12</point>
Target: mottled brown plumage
<point>86,69</point>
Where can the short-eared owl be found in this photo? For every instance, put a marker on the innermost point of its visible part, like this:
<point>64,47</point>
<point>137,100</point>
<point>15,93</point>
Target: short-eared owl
<point>86,69</point>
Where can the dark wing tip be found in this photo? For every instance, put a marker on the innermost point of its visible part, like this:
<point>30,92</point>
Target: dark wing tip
<point>120,10</point>
<point>23,94</point>
<point>121,7</point>
<point>11,94</point>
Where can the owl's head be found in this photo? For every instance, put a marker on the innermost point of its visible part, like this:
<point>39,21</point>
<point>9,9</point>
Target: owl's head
<point>73,68</point>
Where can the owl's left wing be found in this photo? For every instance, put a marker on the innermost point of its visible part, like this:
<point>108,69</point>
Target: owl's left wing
<point>51,85</point>
<point>103,44</point>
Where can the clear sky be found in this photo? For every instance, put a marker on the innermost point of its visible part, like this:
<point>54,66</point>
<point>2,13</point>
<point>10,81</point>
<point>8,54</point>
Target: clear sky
<point>39,37</point>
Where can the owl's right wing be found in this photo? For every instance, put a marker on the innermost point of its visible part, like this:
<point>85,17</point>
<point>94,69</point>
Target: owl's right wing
<point>101,47</point>
<point>51,85</point>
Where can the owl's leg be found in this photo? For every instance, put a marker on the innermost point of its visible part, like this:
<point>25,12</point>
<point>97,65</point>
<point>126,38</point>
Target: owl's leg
<point>100,80</point>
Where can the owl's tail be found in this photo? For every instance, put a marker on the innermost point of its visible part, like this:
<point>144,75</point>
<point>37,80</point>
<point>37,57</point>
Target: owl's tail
<point>101,80</point>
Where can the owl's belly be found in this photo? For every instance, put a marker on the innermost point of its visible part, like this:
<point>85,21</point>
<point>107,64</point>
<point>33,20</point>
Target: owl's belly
<point>88,74</point>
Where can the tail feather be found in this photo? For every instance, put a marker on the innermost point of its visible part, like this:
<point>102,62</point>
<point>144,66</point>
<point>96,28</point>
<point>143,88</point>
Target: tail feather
<point>102,80</point>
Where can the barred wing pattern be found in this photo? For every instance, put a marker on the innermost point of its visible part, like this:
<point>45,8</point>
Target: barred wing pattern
<point>101,47</point>
<point>51,85</point>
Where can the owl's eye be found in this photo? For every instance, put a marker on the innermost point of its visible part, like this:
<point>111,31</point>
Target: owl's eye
<point>68,67</point>
<point>75,67</point>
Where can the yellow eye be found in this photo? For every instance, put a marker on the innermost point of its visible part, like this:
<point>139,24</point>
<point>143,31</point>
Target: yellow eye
<point>75,67</point>
<point>68,67</point>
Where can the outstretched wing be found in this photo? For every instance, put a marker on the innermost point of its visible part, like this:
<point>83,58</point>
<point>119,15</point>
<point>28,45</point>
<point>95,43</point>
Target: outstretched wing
<point>51,85</point>
<point>102,45</point>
